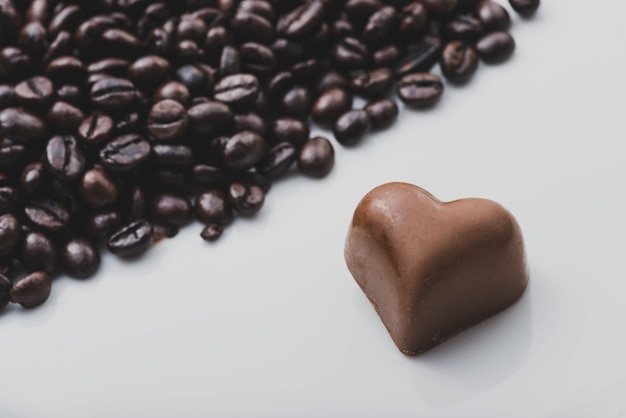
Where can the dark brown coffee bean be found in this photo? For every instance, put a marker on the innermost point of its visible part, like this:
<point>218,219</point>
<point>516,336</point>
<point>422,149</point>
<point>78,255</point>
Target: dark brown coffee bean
<point>330,105</point>
<point>35,93</point>
<point>170,209</point>
<point>301,21</point>
<point>458,62</point>
<point>525,7</point>
<point>439,8</point>
<point>382,113</point>
<point>47,214</point>
<point>297,102</point>
<point>60,46</point>
<point>14,64</point>
<point>172,90</point>
<point>190,28</point>
<point>381,26</point>
<point>132,239</point>
<point>10,17</point>
<point>249,121</point>
<point>216,38</point>
<point>350,54</point>
<point>175,155</point>
<point>287,51</point>
<point>420,89</point>
<point>495,47</point>
<point>492,16</point>
<point>237,90</point>
<point>66,69</point>
<point>209,117</point>
<point>316,157</point>
<point>287,129</point>
<point>72,94</point>
<point>80,258</point>
<point>305,71</point>
<point>257,59</point>
<point>243,150</point>
<point>212,207</point>
<point>159,42</point>
<point>96,128</point>
<point>351,126</point>
<point>66,19</point>
<point>33,39</point>
<point>372,84</point>
<point>97,188</point>
<point>463,28</point>
<point>10,233</point>
<point>330,79</point>
<point>208,176</point>
<point>22,126</point>
<point>149,70</point>
<point>413,20</point>
<point>120,43</point>
<point>37,11</point>
<point>64,157</point>
<point>32,290</point>
<point>212,232</point>
<point>167,120</point>
<point>13,154</point>
<point>5,290</point>
<point>64,118</point>
<point>246,199</point>
<point>359,11</point>
<point>420,57</point>
<point>278,160</point>
<point>251,27</point>
<point>34,179</point>
<point>230,61</point>
<point>117,67</point>
<point>100,225</point>
<point>113,93</point>
<point>38,253</point>
<point>125,152</point>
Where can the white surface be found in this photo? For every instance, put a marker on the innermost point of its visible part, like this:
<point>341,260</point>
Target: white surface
<point>269,323</point>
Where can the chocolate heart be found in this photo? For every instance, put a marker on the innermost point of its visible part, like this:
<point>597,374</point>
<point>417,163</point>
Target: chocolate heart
<point>432,269</point>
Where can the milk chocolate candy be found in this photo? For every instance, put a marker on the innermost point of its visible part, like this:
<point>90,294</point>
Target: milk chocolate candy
<point>432,269</point>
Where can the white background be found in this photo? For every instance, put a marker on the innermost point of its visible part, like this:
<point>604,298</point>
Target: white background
<point>268,322</point>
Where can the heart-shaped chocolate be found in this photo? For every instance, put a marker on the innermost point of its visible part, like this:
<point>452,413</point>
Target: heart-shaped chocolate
<point>432,269</point>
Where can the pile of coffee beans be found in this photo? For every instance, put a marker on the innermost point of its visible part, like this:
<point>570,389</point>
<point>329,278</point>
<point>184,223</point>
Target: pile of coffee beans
<point>123,120</point>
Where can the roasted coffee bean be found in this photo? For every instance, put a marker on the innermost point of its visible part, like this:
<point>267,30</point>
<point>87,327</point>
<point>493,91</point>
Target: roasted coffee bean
<point>175,155</point>
<point>35,93</point>
<point>290,130</point>
<point>305,71</point>
<point>9,15</point>
<point>230,61</point>
<point>278,160</point>
<point>316,157</point>
<point>351,126</point>
<point>100,225</point>
<point>350,54</point>
<point>80,258</point>
<point>38,252</point>
<point>386,56</point>
<point>172,90</point>
<point>33,179</point>
<point>278,85</point>
<point>420,89</point>
<point>216,38</point>
<point>342,27</point>
<point>60,46</point>
<point>127,123</point>
<point>212,232</point>
<point>413,20</point>
<point>159,42</point>
<point>193,78</point>
<point>287,51</point>
<point>190,28</point>
<point>10,233</point>
<point>209,117</point>
<point>37,11</point>
<point>68,18</point>
<point>96,128</point>
<point>439,8</point>
<point>132,239</point>
<point>246,199</point>
<point>7,96</point>
<point>525,7</point>
<point>22,126</point>
<point>458,62</point>
<point>5,290</point>
<point>243,150</point>
<point>372,84</point>
<point>64,118</point>
<point>125,152</point>
<point>301,21</point>
<point>170,209</point>
<point>14,64</point>
<point>9,199</point>
<point>64,157</point>
<point>359,11</point>
<point>330,105</point>
<point>149,70</point>
<point>251,27</point>
<point>420,57</point>
<point>495,47</point>
<point>382,113</point>
<point>13,154</point>
<point>259,7</point>
<point>213,207</point>
<point>237,90</point>
<point>120,43</point>
<point>492,16</point>
<point>208,176</point>
<point>249,121</point>
<point>329,80</point>
<point>113,93</point>
<point>381,26</point>
<point>72,94</point>
<point>463,28</point>
<point>33,39</point>
<point>97,188</point>
<point>257,59</point>
<point>117,67</point>
<point>47,214</point>
<point>66,69</point>
<point>297,102</point>
<point>32,290</point>
<point>167,120</point>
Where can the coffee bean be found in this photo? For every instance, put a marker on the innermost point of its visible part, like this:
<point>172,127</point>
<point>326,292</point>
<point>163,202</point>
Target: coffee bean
<point>64,118</point>
<point>64,157</point>
<point>316,157</point>
<point>159,42</point>
<point>192,29</point>
<point>372,84</point>
<point>13,154</point>
<point>170,209</point>
<point>463,28</point>
<point>33,39</point>
<point>208,176</point>
<point>458,62</point>
<point>439,8</point>
<point>230,61</point>
<point>37,11</point>
<point>33,179</point>
<point>132,239</point>
<point>167,120</point>
<point>80,258</point>
<point>97,188</point>
<point>175,155</point>
<point>125,152</point>
<point>60,46</point>
<point>237,90</point>
<point>246,199</point>
<point>47,214</point>
<point>66,69</point>
<point>101,224</point>
<point>296,102</point>
<point>249,121</point>
<point>116,67</point>
<point>216,38</point>
<point>113,93</point>
<point>212,207</point>
<point>359,11</point>
<point>381,26</point>
<point>14,64</point>
<point>351,126</point>
<point>172,90</point>
<point>35,93</point>
<point>287,51</point>
<point>5,290</point>
<point>420,57</point>
<point>492,16</point>
<point>212,232</point>
<point>38,253</point>
<point>495,47</point>
<point>22,126</point>
<point>301,21</point>
<point>251,27</point>
<point>209,117</point>
<point>382,113</point>
<point>10,233</point>
<point>413,20</point>
<point>525,7</point>
<point>350,54</point>
<point>32,290</point>
<point>330,105</point>
<point>278,160</point>
<point>9,199</point>
<point>120,43</point>
<point>257,59</point>
<point>420,89</point>
<point>72,94</point>
<point>330,79</point>
<point>68,18</point>
<point>96,128</point>
<point>243,150</point>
